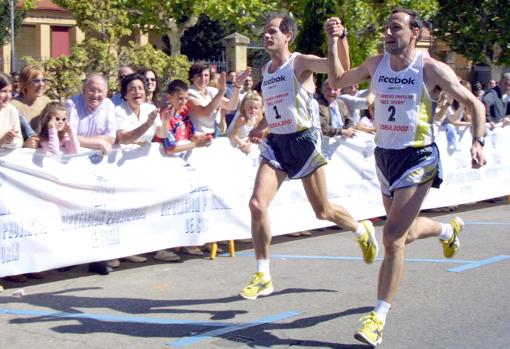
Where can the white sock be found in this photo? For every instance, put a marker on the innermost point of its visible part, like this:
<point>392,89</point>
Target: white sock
<point>263,267</point>
<point>446,232</point>
<point>360,230</point>
<point>381,309</point>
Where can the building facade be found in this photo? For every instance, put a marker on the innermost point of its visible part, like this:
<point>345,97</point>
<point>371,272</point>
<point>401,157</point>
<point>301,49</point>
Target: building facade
<point>50,31</point>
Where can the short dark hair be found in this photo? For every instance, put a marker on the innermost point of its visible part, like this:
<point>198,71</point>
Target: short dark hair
<point>176,86</point>
<point>4,81</point>
<point>127,80</point>
<point>288,23</point>
<point>415,20</point>
<point>197,68</point>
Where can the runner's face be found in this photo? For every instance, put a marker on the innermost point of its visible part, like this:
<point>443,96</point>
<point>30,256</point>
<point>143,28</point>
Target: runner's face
<point>274,39</point>
<point>398,33</point>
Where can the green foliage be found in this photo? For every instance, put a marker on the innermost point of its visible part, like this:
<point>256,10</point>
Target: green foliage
<point>203,41</point>
<point>312,39</point>
<point>106,20</point>
<point>101,57</point>
<point>365,20</point>
<point>104,24</point>
<point>5,19</point>
<point>63,74</point>
<point>479,30</point>
<point>166,67</point>
<point>174,17</point>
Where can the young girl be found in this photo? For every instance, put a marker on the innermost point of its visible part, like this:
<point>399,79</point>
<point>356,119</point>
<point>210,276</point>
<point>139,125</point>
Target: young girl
<point>250,113</point>
<point>55,132</point>
<point>10,132</point>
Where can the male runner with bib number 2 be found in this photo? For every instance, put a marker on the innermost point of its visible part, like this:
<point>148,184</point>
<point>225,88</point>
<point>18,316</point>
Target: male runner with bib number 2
<point>405,81</point>
<point>292,147</point>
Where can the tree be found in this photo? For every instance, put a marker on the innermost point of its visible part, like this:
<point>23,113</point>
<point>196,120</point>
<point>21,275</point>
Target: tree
<point>105,20</point>
<point>167,68</point>
<point>174,17</point>
<point>479,30</point>
<point>64,73</point>
<point>312,38</point>
<point>203,41</point>
<point>104,24</point>
<point>5,20</point>
<point>364,19</point>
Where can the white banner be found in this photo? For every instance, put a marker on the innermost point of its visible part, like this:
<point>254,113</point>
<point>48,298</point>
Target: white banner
<point>64,210</point>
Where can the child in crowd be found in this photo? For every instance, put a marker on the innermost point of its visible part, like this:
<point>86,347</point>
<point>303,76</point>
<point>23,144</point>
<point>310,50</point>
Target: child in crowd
<point>181,133</point>
<point>181,137</point>
<point>367,120</point>
<point>250,113</point>
<point>55,131</point>
<point>10,131</point>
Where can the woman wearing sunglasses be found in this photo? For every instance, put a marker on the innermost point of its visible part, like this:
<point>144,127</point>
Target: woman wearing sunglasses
<point>31,100</point>
<point>152,96</point>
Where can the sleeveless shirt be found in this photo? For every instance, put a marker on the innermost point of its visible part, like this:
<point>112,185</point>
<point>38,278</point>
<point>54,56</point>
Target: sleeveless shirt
<point>288,106</point>
<point>403,107</point>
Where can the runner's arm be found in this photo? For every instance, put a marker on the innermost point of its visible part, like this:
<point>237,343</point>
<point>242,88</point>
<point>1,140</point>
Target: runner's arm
<point>438,75</point>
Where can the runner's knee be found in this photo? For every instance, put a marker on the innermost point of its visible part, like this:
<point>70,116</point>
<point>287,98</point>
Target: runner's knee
<point>392,247</point>
<point>393,238</point>
<point>257,207</point>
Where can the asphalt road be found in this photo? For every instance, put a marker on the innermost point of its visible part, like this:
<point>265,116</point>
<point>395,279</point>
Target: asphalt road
<point>322,287</point>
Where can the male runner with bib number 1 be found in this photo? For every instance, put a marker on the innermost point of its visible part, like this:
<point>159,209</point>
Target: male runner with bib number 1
<point>292,147</point>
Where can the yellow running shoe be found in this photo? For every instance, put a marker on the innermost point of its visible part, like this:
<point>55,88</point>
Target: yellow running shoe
<point>257,287</point>
<point>368,243</point>
<point>371,330</point>
<point>451,247</point>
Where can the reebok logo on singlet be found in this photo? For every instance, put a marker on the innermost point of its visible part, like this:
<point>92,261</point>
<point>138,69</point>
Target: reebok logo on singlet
<point>396,80</point>
<point>273,80</point>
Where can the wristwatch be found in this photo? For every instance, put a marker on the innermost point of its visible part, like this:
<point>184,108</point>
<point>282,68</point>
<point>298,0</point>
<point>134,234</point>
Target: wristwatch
<point>344,34</point>
<point>480,140</point>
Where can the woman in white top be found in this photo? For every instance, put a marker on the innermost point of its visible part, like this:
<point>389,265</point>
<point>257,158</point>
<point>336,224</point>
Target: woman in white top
<point>205,102</point>
<point>138,121</point>
<point>10,128</point>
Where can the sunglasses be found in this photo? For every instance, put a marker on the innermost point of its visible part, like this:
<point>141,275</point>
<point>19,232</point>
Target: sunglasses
<point>38,81</point>
<point>60,119</point>
<point>152,79</point>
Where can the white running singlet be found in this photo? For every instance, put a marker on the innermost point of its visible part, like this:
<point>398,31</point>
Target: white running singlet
<point>403,107</point>
<point>288,106</point>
